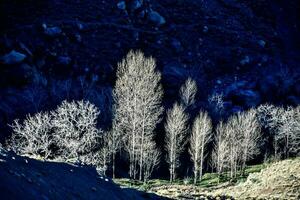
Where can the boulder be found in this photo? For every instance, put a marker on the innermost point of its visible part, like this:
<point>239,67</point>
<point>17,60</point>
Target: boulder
<point>12,58</point>
<point>121,5</point>
<point>52,31</point>
<point>155,18</point>
<point>245,60</point>
<point>262,43</point>
<point>136,4</point>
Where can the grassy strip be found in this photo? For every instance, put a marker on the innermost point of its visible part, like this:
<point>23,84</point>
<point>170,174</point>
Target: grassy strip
<point>208,180</point>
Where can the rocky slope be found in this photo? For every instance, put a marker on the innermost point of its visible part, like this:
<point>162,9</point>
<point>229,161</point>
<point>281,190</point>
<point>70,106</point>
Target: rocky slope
<point>279,180</point>
<point>26,178</point>
<point>54,50</point>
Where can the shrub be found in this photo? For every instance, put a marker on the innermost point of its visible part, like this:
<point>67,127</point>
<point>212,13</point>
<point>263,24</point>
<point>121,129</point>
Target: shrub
<point>75,129</point>
<point>33,136</point>
<point>68,134</point>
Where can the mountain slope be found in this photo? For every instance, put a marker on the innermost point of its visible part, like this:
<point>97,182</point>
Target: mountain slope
<point>26,178</point>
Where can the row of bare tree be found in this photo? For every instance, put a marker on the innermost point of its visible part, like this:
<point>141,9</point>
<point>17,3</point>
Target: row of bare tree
<point>70,132</point>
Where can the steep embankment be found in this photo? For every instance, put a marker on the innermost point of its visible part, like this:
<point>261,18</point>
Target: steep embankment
<point>26,178</point>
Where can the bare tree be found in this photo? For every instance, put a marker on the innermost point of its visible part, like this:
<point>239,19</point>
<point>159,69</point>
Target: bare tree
<point>75,129</point>
<point>137,96</point>
<point>283,125</point>
<point>242,134</point>
<point>288,131</point>
<point>33,136</point>
<point>188,92</point>
<point>176,128</point>
<point>248,125</point>
<point>220,151</point>
<point>151,158</point>
<point>100,156</point>
<point>114,143</point>
<point>201,135</point>
<point>295,135</point>
<point>216,106</point>
<point>233,137</point>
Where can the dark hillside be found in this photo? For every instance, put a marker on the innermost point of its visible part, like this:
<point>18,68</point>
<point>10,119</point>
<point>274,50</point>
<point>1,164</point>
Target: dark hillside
<point>26,178</point>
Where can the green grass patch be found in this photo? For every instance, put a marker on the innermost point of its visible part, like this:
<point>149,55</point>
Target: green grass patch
<point>208,179</point>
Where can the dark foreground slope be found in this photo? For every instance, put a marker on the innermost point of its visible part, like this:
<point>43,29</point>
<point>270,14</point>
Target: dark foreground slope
<point>26,178</point>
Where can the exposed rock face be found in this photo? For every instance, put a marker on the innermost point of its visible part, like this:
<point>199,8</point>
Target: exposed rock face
<point>13,57</point>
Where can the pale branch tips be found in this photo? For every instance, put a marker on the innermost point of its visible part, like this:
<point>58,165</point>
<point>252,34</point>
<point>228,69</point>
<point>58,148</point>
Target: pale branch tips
<point>201,135</point>
<point>137,96</point>
<point>176,128</point>
<point>68,133</point>
<point>188,92</point>
<point>75,129</point>
<point>33,136</point>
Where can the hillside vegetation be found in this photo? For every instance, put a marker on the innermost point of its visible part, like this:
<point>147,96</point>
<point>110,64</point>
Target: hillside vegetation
<point>278,180</point>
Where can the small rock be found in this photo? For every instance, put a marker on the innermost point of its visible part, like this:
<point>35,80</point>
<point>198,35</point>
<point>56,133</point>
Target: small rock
<point>262,43</point>
<point>142,14</point>
<point>245,60</point>
<point>94,189</point>
<point>121,5</point>
<point>13,158</point>
<point>205,29</point>
<point>219,82</point>
<point>80,26</point>
<point>106,179</point>
<point>136,4</point>
<point>12,58</point>
<point>64,60</point>
<point>71,170</point>
<point>52,31</point>
<point>156,18</point>
<point>29,180</point>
